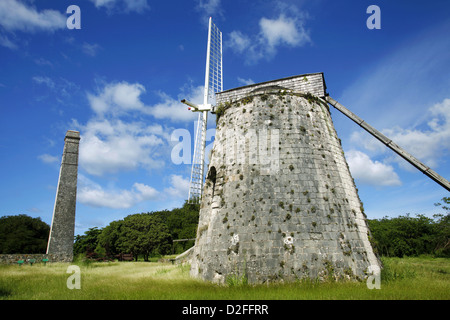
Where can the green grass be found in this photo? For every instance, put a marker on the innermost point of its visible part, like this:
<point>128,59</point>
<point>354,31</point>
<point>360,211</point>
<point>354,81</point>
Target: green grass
<point>406,278</point>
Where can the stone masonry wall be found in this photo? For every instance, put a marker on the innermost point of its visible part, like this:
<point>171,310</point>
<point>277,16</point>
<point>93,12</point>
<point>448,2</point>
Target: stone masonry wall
<point>313,83</point>
<point>13,258</point>
<point>279,202</point>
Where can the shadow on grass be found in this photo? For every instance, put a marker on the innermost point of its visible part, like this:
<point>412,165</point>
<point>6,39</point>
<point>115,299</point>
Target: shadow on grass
<point>4,293</point>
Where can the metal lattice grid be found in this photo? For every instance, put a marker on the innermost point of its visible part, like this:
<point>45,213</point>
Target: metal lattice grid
<point>214,80</point>
<point>196,183</point>
<point>213,84</point>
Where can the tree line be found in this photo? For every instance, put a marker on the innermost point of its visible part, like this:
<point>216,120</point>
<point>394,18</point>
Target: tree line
<point>152,233</point>
<point>23,234</point>
<point>413,236</point>
<point>142,234</point>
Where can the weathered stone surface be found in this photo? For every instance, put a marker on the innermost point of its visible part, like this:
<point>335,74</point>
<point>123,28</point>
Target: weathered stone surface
<point>14,258</point>
<point>282,204</point>
<point>63,222</point>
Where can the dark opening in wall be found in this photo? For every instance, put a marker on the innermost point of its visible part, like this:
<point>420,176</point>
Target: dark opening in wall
<point>212,178</point>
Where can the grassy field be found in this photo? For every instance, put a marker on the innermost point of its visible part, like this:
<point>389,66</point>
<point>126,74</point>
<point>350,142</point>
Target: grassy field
<point>406,278</point>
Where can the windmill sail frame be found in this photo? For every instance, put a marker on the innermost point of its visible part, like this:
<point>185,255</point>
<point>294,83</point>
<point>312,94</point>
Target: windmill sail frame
<point>213,84</point>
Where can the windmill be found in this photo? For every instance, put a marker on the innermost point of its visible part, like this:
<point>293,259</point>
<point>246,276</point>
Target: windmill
<point>213,84</point>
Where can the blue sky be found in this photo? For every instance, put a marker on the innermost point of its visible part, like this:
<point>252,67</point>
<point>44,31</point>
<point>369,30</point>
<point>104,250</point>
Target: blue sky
<point>119,80</point>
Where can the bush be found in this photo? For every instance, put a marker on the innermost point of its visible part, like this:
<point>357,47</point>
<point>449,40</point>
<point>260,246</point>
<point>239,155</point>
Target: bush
<point>409,236</point>
<point>23,234</point>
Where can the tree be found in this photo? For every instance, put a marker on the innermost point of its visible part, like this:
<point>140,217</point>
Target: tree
<point>446,207</point>
<point>109,237</point>
<point>408,236</point>
<point>87,242</point>
<point>23,234</point>
<point>156,239</point>
<point>443,229</point>
<point>182,223</point>
<point>143,234</point>
<point>403,235</point>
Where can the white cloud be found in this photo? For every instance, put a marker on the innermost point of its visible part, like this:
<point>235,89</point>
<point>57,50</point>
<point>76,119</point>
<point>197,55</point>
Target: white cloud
<point>112,143</point>
<point>209,8</point>
<point>238,41</point>
<point>245,82</point>
<point>103,3</point>
<point>18,16</point>
<point>117,98</point>
<point>5,42</point>
<point>283,31</point>
<point>136,5</point>
<point>44,80</point>
<point>92,194</point>
<point>371,172</point>
<point>47,158</point>
<point>43,62</point>
<point>90,49</point>
<point>170,108</point>
<point>429,143</point>
<point>34,210</point>
<point>61,88</point>
<point>126,6</point>
<point>179,188</point>
<point>111,146</point>
<point>121,98</point>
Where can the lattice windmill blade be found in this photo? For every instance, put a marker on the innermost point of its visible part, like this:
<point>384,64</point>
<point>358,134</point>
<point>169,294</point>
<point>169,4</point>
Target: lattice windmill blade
<point>213,84</point>
<point>213,74</point>
<point>196,183</point>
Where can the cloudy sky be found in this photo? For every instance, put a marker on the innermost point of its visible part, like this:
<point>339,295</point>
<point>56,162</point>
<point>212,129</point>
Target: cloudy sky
<point>119,80</point>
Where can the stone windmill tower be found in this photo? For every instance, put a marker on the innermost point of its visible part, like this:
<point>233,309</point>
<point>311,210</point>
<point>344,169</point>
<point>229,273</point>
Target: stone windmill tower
<point>279,201</point>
